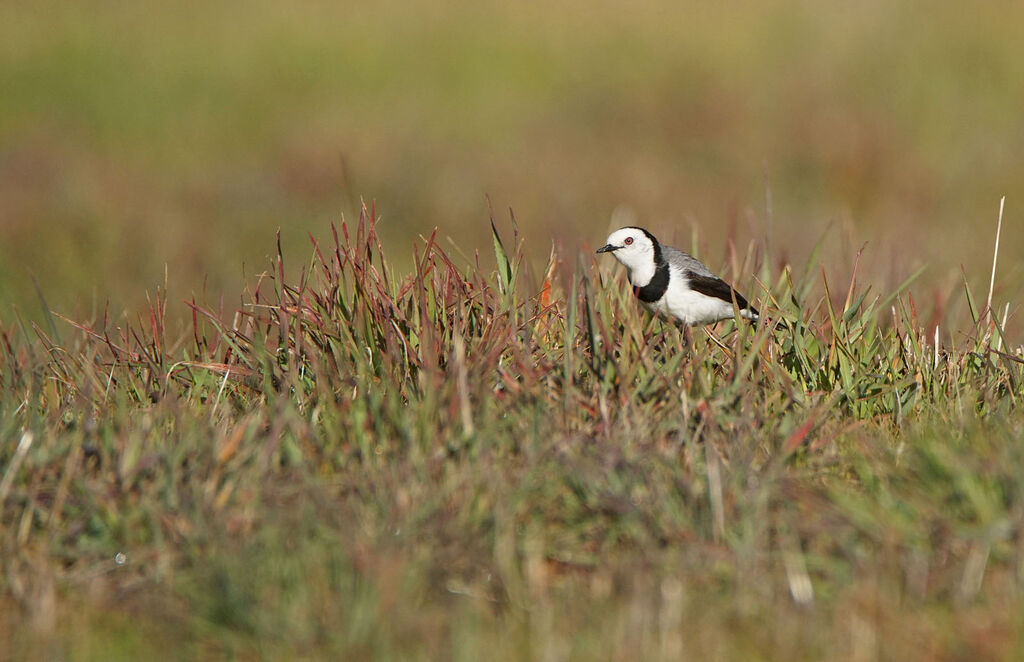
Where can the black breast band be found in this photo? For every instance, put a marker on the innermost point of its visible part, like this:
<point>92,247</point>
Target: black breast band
<point>656,287</point>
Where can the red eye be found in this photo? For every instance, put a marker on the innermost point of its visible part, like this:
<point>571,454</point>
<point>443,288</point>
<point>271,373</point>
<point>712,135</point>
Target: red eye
<point>629,240</point>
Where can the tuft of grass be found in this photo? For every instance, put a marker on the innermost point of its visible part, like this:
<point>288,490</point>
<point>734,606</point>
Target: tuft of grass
<point>466,461</point>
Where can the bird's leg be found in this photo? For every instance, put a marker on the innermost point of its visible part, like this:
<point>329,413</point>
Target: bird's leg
<point>687,338</point>
<point>659,344</point>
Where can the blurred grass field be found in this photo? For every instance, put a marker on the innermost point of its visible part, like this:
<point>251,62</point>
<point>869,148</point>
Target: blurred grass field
<point>394,452</point>
<point>151,136</point>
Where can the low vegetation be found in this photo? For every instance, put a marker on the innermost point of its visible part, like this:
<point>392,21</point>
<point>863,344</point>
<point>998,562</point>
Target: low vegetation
<point>467,463</point>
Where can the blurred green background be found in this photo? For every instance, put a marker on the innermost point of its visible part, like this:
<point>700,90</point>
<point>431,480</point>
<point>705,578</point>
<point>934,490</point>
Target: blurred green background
<point>135,136</point>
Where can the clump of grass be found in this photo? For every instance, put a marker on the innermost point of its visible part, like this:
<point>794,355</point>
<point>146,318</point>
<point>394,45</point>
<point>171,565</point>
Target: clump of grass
<point>362,464</point>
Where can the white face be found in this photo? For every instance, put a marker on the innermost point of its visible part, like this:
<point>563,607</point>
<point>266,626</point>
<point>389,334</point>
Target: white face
<point>631,247</point>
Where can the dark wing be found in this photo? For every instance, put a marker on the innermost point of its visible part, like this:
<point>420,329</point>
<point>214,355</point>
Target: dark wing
<point>713,286</point>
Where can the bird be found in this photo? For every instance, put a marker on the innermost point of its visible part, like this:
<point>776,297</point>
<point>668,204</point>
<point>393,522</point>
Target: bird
<point>672,283</point>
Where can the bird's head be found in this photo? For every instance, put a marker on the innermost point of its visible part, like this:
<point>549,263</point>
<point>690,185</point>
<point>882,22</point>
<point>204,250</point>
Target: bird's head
<point>633,247</point>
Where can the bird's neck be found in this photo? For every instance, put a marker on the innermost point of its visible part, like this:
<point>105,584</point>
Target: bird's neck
<point>643,273</point>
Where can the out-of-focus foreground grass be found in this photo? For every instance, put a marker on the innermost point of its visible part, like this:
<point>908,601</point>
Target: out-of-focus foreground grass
<point>134,137</point>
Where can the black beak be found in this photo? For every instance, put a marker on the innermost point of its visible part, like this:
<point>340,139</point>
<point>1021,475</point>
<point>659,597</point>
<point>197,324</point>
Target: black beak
<point>608,248</point>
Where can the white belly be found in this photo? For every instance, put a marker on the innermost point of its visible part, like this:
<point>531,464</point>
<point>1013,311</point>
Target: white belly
<point>690,307</point>
<point>694,308</point>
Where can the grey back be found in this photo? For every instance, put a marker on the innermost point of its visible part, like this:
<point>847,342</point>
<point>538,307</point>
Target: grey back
<point>684,261</point>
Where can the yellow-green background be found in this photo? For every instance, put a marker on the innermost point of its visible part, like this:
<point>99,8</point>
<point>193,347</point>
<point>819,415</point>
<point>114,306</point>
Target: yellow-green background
<point>144,134</point>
